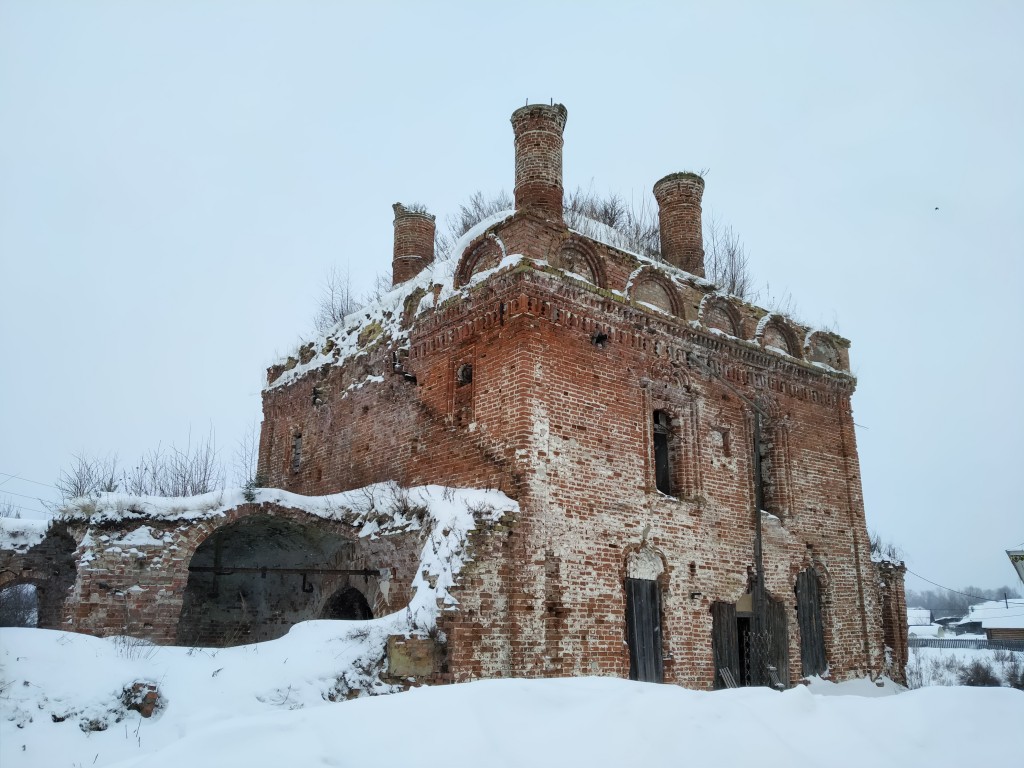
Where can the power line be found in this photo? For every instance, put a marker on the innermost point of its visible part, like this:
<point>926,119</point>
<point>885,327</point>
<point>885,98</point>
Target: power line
<point>34,498</point>
<point>25,479</point>
<point>958,592</point>
<point>27,509</point>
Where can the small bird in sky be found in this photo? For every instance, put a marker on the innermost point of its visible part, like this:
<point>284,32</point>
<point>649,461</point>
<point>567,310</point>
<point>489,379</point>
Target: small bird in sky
<point>936,207</point>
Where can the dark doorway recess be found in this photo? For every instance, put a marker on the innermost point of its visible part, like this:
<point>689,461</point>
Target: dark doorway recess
<point>743,656</point>
<point>347,603</point>
<point>812,629</point>
<point>643,630</point>
<point>254,579</point>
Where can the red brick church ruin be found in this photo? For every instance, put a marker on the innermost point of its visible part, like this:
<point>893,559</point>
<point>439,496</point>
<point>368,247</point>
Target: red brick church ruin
<point>638,415</point>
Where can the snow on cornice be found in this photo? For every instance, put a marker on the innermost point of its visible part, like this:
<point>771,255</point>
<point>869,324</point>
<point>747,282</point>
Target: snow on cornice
<point>606,235</point>
<point>380,322</point>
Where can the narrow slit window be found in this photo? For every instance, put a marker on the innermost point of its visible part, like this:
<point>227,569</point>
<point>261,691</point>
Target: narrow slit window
<point>662,473</point>
<point>296,451</point>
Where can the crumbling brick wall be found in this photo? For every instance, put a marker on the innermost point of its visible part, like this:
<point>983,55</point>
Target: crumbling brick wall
<point>895,627</point>
<point>133,584</point>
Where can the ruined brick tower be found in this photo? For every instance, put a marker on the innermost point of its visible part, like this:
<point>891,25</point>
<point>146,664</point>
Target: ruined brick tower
<point>637,413</point>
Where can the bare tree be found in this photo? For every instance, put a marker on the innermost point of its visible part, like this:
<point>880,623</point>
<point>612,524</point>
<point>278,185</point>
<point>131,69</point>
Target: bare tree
<point>884,550</point>
<point>381,285</point>
<point>190,471</point>
<point>247,474</point>
<point>246,455</point>
<point>725,260</point>
<point>7,509</point>
<point>631,226</point>
<point>336,299</point>
<point>470,213</point>
<point>779,303</point>
<point>19,606</point>
<point>88,476</point>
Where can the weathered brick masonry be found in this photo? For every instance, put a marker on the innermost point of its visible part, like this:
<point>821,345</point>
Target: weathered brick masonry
<point>632,409</point>
<point>546,378</point>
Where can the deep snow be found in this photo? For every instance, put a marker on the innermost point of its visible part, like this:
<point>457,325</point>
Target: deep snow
<point>268,705</point>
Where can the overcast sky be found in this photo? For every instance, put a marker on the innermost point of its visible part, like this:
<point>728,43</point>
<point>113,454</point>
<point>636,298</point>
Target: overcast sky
<point>177,178</point>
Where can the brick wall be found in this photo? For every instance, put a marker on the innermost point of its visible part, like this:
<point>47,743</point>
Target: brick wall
<point>141,589</point>
<point>564,425</point>
<point>894,617</point>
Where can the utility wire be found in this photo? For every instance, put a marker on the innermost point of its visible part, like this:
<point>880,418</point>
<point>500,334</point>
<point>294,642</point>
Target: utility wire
<point>1014,601</point>
<point>25,479</point>
<point>27,509</point>
<point>34,498</point>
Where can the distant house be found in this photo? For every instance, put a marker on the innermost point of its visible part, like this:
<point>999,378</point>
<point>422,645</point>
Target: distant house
<point>919,617</point>
<point>920,623</point>
<point>998,619</point>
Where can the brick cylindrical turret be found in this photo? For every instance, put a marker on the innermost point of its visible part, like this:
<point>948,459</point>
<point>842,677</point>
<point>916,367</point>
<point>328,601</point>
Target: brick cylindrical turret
<point>538,131</point>
<point>682,237</point>
<point>414,243</point>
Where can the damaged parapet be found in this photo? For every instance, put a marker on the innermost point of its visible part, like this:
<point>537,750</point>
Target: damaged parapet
<point>538,131</point>
<point>682,237</point>
<point>414,243</point>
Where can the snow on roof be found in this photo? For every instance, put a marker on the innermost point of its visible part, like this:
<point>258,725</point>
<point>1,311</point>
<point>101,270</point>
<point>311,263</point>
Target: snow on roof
<point>20,535</point>
<point>381,321</point>
<point>996,614</point>
<point>919,617</point>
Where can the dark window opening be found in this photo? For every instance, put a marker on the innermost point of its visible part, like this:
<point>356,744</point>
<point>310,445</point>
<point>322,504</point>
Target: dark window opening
<point>296,452</point>
<point>662,471</point>
<point>464,374</point>
<point>723,433</point>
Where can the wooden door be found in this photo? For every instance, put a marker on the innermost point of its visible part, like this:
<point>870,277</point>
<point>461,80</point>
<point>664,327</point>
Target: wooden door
<point>643,630</point>
<point>725,644</point>
<point>812,630</point>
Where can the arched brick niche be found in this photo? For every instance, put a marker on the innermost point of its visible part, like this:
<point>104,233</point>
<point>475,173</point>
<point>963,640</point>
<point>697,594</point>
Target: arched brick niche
<point>42,575</point>
<point>579,258</point>
<point>482,254</point>
<point>821,349</point>
<point>719,313</point>
<point>258,574</point>
<point>655,289</point>
<point>774,332</point>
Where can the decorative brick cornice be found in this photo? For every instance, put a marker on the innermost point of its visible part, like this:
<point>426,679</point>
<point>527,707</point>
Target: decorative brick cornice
<point>567,302</point>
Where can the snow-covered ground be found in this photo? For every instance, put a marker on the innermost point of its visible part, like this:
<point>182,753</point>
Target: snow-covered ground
<point>943,666</point>
<point>63,704</point>
<point>306,699</point>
